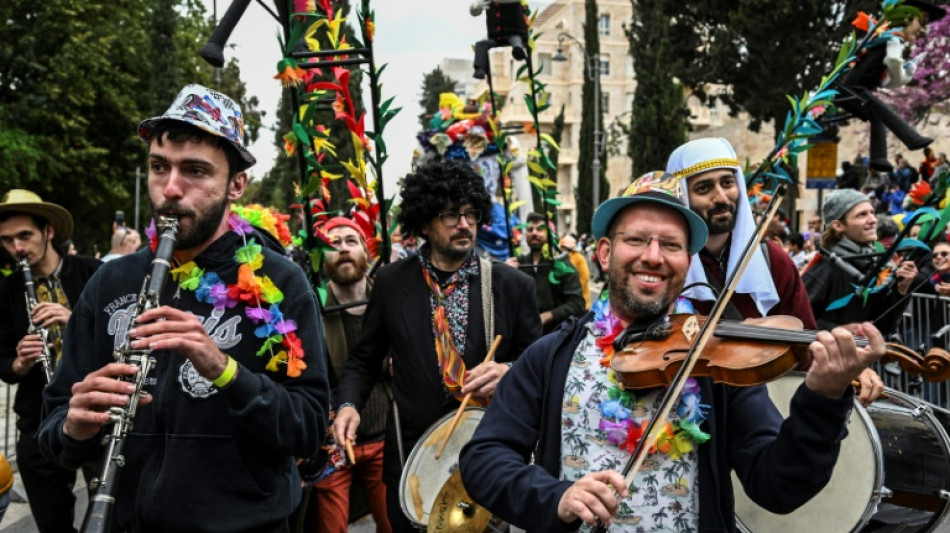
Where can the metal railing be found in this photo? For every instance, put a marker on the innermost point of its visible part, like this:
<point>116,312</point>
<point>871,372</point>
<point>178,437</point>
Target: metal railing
<point>924,324</point>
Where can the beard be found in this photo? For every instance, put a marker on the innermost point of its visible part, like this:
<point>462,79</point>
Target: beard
<point>203,227</point>
<point>344,276</point>
<point>635,306</point>
<point>721,226</point>
<point>452,251</point>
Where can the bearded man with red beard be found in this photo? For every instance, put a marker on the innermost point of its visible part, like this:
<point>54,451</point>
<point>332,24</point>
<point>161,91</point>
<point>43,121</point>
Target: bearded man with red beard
<point>346,266</point>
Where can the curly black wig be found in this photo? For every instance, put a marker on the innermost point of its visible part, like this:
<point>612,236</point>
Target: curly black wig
<point>440,186</point>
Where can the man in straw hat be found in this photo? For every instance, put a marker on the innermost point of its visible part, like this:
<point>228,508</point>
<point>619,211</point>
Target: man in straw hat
<point>32,229</point>
<point>709,170</point>
<point>239,385</point>
<point>560,403</point>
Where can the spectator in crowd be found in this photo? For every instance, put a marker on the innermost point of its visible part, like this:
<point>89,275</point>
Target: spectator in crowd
<point>886,230</point>
<point>928,165</point>
<point>796,249</point>
<point>850,177</point>
<point>942,166</point>
<point>560,298</point>
<point>813,233</point>
<point>850,234</point>
<point>579,262</point>
<point>124,241</point>
<point>894,198</point>
<point>904,174</point>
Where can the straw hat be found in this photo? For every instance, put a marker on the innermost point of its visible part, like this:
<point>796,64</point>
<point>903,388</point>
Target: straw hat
<point>26,202</point>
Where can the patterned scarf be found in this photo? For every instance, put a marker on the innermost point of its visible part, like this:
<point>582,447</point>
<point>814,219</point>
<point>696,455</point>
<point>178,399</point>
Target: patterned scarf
<point>450,362</point>
<point>51,290</point>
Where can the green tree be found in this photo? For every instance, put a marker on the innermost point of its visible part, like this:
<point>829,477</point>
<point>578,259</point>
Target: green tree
<point>585,202</point>
<point>659,118</point>
<point>74,84</point>
<point>434,83</point>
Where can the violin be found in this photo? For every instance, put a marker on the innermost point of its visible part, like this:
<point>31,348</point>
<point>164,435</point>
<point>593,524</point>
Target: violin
<point>746,353</point>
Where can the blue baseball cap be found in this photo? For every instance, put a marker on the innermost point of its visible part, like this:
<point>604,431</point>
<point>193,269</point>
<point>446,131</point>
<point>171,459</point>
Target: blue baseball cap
<point>655,187</point>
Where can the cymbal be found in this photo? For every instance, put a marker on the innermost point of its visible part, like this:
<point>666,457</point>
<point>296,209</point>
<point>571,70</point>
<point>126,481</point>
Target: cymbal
<point>453,510</point>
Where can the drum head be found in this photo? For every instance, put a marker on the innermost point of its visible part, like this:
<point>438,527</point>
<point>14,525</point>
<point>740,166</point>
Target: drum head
<point>424,475</point>
<point>846,502</point>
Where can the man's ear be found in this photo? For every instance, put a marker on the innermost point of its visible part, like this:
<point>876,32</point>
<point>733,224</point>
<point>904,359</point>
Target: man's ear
<point>237,185</point>
<point>604,247</point>
<point>837,226</point>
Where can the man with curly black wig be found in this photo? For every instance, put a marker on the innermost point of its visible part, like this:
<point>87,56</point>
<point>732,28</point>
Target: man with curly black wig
<point>429,312</point>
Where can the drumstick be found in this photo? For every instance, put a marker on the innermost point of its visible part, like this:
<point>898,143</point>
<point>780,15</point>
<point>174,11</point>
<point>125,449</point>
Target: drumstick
<point>349,451</point>
<point>465,400</point>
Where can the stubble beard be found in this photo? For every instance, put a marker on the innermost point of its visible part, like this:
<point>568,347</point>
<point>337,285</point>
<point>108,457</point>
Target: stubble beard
<point>204,225</point>
<point>632,305</point>
<point>718,228</point>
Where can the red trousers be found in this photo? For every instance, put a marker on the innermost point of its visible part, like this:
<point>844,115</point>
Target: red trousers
<point>331,496</point>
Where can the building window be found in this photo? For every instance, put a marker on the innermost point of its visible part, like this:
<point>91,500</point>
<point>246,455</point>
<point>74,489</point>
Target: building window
<point>605,103</point>
<point>545,60</point>
<point>604,64</point>
<point>603,24</point>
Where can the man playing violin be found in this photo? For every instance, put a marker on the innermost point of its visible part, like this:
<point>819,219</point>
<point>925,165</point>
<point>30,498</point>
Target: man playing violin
<point>710,172</point>
<point>561,402</point>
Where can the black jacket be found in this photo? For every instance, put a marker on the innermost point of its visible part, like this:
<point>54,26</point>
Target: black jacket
<point>563,299</point>
<point>14,324</point>
<point>200,458</point>
<point>780,464</point>
<point>398,318</point>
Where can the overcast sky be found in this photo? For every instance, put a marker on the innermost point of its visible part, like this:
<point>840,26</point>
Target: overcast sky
<point>412,36</point>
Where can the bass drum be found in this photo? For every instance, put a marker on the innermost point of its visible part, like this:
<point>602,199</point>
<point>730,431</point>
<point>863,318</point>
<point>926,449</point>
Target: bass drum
<point>424,475</point>
<point>892,474</point>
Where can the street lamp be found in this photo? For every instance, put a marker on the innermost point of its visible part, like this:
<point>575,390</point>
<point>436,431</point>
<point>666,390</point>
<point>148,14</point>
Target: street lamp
<point>593,73</point>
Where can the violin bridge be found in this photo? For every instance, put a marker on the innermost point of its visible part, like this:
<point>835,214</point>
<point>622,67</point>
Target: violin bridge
<point>690,328</point>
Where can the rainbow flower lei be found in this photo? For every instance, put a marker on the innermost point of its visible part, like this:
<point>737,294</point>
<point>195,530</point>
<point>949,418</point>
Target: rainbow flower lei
<point>258,293</point>
<point>675,438</point>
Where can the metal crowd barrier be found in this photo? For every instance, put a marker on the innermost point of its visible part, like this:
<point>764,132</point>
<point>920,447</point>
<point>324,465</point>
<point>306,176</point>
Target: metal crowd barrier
<point>924,324</point>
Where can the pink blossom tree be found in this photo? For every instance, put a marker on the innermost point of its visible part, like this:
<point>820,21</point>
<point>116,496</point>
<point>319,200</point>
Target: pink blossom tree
<point>931,84</point>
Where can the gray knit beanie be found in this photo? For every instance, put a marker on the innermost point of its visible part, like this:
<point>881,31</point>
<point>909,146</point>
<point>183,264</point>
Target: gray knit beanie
<point>839,202</point>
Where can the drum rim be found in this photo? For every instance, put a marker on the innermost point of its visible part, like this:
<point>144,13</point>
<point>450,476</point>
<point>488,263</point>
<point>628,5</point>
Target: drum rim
<point>943,436</point>
<point>404,475</point>
<point>876,447</point>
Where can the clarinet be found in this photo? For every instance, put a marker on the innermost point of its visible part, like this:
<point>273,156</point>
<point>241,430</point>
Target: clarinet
<point>99,517</point>
<point>46,360</point>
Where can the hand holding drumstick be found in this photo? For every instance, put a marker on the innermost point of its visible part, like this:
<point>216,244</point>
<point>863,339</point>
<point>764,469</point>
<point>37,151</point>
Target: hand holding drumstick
<point>468,398</point>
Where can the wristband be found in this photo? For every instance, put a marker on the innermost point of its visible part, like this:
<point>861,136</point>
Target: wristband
<point>226,377</point>
<point>345,404</point>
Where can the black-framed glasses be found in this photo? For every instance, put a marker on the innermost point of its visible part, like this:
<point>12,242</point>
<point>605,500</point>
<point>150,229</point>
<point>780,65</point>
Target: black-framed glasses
<point>450,219</point>
<point>942,254</point>
<point>642,241</point>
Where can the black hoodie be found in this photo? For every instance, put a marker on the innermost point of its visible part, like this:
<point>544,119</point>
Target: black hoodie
<point>200,458</point>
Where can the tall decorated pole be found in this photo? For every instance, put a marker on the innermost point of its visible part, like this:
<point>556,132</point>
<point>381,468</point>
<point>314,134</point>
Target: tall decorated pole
<point>316,68</point>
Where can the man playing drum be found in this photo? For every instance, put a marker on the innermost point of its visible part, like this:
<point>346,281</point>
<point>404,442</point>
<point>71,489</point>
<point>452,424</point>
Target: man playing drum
<point>428,311</point>
<point>561,403</point>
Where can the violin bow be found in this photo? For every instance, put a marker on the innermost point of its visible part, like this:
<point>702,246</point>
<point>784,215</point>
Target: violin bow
<point>706,332</point>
